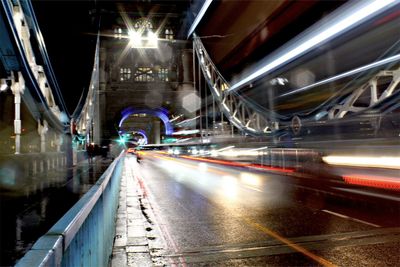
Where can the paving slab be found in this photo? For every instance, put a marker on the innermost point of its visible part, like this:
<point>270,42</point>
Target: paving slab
<point>131,245</point>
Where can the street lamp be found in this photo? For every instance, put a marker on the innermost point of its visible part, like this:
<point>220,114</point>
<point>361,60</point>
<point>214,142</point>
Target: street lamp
<point>140,39</point>
<point>5,84</point>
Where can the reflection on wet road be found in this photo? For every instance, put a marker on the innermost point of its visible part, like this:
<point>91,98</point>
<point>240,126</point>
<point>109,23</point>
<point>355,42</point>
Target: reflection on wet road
<point>219,215</point>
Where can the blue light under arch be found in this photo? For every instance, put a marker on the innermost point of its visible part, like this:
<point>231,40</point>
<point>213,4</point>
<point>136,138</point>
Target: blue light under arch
<point>161,113</point>
<point>143,134</point>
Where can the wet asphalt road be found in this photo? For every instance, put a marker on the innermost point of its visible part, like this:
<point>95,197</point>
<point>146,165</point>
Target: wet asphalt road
<point>213,215</point>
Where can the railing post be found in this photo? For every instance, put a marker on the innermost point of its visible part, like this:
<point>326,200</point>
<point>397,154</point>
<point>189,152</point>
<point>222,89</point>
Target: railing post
<point>58,142</point>
<point>42,130</point>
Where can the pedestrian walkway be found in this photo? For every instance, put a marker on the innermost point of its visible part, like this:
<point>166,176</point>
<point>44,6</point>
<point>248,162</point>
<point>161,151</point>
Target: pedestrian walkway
<point>131,246</point>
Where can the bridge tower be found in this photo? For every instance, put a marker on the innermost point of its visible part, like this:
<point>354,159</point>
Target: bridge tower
<point>145,64</point>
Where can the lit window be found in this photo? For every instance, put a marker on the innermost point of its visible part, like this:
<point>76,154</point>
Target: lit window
<point>169,34</point>
<point>144,74</point>
<point>124,74</point>
<point>163,74</point>
<point>142,24</point>
<point>118,33</point>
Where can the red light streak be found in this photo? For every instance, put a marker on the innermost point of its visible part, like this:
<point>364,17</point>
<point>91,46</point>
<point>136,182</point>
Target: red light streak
<point>239,164</point>
<point>391,183</point>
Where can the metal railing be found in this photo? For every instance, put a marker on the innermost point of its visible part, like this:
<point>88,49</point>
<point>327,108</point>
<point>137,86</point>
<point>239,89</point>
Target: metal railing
<point>84,235</point>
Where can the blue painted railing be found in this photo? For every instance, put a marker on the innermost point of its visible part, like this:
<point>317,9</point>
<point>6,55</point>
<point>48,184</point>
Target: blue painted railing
<point>84,235</point>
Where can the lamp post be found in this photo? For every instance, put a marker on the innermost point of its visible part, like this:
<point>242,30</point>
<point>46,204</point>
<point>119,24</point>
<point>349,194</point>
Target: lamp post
<point>17,88</point>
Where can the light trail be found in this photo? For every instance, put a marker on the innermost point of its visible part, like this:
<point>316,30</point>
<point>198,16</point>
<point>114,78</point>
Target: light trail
<point>340,22</point>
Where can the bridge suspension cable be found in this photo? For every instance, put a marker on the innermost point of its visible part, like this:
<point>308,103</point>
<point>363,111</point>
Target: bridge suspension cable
<point>240,113</point>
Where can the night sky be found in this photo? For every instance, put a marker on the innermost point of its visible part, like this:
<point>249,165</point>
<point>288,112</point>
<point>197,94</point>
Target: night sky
<point>69,31</point>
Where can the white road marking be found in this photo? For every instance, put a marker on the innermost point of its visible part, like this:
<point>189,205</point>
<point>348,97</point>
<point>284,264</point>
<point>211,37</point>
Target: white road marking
<point>253,188</point>
<point>350,218</point>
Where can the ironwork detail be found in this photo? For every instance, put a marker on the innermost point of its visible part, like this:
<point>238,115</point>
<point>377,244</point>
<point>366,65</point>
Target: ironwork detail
<point>241,115</point>
<point>296,125</point>
<point>380,87</point>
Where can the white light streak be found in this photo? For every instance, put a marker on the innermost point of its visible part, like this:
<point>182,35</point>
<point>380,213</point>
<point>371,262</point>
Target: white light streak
<point>239,153</point>
<point>225,148</point>
<point>183,140</point>
<point>364,161</point>
<point>199,16</point>
<point>185,132</point>
<point>177,117</point>
<point>352,17</point>
<point>188,120</point>
<point>345,74</point>
<point>260,148</point>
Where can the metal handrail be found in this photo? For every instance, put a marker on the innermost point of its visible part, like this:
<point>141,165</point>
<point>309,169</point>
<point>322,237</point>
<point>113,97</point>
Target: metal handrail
<point>51,248</point>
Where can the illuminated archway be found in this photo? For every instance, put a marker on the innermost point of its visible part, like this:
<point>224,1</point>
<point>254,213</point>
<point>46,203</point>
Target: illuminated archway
<point>160,113</point>
<point>143,134</point>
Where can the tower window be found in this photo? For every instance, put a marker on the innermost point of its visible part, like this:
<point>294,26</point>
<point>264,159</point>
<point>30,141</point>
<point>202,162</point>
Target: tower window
<point>118,33</point>
<point>163,74</point>
<point>144,74</point>
<point>169,34</point>
<point>143,25</point>
<point>125,74</point>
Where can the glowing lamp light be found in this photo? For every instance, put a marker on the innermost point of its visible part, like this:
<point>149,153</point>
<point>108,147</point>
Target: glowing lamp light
<point>121,140</point>
<point>4,84</point>
<point>152,39</point>
<point>135,38</point>
<point>3,87</point>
